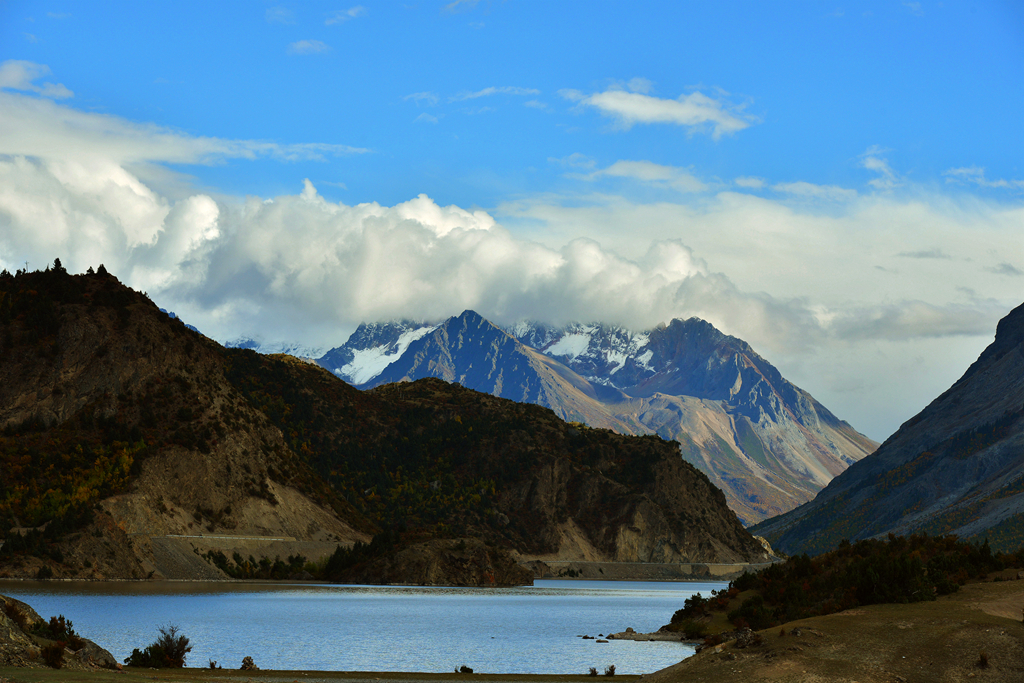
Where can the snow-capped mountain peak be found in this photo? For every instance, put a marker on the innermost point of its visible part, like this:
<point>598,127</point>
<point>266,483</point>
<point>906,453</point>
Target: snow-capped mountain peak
<point>372,348</point>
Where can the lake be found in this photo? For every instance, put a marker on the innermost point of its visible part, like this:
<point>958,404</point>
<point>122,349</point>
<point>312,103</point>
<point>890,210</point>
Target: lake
<point>531,629</point>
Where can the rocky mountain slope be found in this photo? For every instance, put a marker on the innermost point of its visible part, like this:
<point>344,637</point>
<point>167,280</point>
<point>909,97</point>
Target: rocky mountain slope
<point>121,435</point>
<point>131,446</point>
<point>768,444</point>
<point>956,467</point>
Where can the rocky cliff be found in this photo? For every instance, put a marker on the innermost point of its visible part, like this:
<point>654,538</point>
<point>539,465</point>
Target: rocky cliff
<point>25,638</point>
<point>121,436</point>
<point>956,467</point>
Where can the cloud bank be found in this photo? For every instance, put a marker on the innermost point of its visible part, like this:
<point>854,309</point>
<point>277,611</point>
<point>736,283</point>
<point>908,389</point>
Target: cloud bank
<point>828,283</point>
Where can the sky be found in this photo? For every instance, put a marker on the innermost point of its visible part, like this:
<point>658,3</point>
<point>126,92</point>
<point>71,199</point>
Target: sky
<point>840,184</point>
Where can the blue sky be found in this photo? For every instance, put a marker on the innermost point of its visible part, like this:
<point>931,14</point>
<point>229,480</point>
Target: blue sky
<point>840,184</point>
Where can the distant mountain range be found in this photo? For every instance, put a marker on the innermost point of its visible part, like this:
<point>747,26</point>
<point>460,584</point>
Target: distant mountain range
<point>767,443</point>
<point>956,467</point>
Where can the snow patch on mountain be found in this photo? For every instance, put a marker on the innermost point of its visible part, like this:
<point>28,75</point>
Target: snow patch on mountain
<point>370,362</point>
<point>570,346</point>
<point>268,348</point>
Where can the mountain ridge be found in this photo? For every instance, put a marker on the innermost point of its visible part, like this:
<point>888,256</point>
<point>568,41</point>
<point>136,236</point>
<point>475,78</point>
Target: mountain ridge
<point>133,447</point>
<point>767,443</point>
<point>955,467</point>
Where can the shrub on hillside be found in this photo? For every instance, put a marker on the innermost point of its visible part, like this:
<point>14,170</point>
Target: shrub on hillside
<point>53,655</point>
<point>167,652</point>
<point>897,570</point>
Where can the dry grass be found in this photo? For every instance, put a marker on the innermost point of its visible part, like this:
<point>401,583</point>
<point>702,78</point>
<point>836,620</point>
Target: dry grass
<point>930,642</point>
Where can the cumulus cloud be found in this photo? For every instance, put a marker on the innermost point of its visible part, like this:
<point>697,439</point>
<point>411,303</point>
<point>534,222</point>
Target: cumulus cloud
<point>16,74</point>
<point>308,47</point>
<point>695,111</point>
<point>827,290</point>
<point>750,182</point>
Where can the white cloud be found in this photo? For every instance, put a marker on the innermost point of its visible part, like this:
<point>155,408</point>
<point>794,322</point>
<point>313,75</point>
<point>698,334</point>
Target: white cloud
<point>640,85</point>
<point>535,104</point>
<point>750,182</point>
<point>16,74</point>
<point>342,16</point>
<point>852,299</point>
<point>40,128</point>
<point>574,160</point>
<point>308,47</point>
<point>695,111</point>
<point>810,190</point>
<point>873,160</point>
<point>487,92</point>
<point>460,6</point>
<point>428,98</point>
<point>279,15</point>
<point>426,118</point>
<point>652,174</point>
<point>975,175</point>
<point>915,8</point>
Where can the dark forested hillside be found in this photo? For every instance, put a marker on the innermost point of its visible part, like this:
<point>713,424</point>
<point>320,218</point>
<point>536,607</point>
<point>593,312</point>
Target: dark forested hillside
<point>121,431</point>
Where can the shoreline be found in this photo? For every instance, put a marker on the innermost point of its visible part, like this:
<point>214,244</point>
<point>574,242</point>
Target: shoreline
<point>192,674</point>
<point>299,582</point>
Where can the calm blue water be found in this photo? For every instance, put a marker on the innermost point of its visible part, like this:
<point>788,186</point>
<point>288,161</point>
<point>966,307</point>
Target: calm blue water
<point>379,628</point>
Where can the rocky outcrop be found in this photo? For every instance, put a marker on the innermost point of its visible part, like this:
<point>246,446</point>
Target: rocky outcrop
<point>20,646</point>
